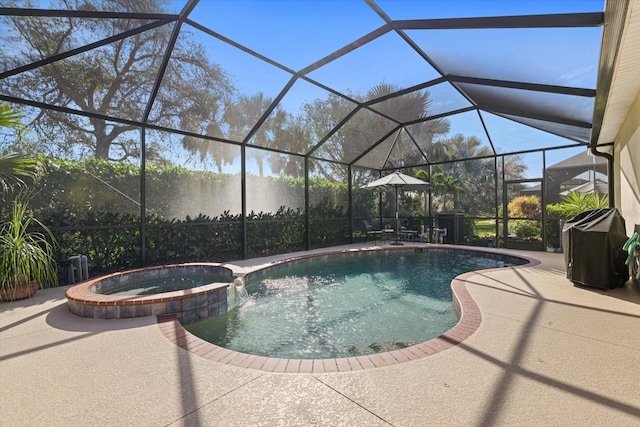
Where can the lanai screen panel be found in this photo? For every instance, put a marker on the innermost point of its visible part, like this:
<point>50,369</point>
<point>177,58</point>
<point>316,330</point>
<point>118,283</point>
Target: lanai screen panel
<point>100,80</point>
<point>559,109</point>
<point>379,156</point>
<point>187,180</point>
<point>404,152</point>
<point>465,139</point>
<point>425,134</point>
<point>388,61</point>
<point>553,56</point>
<point>360,132</point>
<point>479,196</point>
<point>50,36</point>
<point>532,164</point>
<point>509,135</point>
<point>304,115</point>
<point>445,99</point>
<point>272,188</point>
<point>328,191</point>
<point>294,37</point>
<point>328,205</point>
<point>410,9</point>
<point>571,133</point>
<point>435,99</point>
<point>82,186</point>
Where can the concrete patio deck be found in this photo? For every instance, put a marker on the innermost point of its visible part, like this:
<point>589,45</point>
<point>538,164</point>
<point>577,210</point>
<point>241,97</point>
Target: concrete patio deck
<point>546,353</point>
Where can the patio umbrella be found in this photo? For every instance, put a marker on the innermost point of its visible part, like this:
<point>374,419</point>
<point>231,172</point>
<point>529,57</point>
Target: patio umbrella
<point>395,181</point>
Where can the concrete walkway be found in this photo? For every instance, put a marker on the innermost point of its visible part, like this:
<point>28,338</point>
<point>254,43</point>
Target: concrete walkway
<point>546,353</point>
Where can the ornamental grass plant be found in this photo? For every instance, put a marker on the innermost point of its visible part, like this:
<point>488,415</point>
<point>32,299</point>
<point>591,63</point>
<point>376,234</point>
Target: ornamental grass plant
<point>27,260</point>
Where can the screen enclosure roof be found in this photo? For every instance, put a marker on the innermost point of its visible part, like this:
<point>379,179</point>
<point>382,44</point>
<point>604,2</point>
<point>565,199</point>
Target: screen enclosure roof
<point>376,84</point>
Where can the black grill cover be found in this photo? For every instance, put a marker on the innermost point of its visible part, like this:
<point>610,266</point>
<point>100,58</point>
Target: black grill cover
<point>592,244</point>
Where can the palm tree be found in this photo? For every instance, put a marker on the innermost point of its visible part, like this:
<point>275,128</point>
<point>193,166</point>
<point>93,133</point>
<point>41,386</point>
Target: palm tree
<point>14,169</point>
<point>244,114</point>
<point>470,174</point>
<point>210,152</point>
<point>404,108</point>
<point>445,185</point>
<point>293,137</point>
<point>424,175</point>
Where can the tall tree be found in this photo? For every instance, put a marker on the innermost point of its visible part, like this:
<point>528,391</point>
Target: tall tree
<point>114,80</point>
<point>321,116</point>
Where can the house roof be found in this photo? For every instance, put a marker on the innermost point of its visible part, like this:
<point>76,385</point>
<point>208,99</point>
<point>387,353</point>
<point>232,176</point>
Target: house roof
<point>581,160</point>
<point>588,187</point>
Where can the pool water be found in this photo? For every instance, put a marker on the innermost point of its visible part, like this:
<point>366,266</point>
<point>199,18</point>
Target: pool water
<point>345,306</point>
<point>170,283</point>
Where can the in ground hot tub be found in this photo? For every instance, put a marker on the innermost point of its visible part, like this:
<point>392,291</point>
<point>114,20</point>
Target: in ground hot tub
<point>151,292</point>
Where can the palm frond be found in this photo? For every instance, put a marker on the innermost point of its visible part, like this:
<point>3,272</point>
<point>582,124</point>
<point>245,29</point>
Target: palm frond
<point>15,170</point>
<point>10,117</point>
<point>575,203</point>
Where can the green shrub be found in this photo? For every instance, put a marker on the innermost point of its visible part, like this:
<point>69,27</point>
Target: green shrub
<point>576,203</point>
<point>552,226</point>
<point>525,229</point>
<point>93,207</point>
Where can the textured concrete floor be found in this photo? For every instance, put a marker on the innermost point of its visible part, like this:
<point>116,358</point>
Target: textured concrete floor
<point>546,353</point>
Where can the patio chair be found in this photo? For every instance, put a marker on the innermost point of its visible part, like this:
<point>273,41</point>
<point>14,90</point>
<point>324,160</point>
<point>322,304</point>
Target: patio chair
<point>372,232</point>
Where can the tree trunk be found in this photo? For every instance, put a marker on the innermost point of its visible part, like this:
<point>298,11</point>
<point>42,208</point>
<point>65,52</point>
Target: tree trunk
<point>103,141</point>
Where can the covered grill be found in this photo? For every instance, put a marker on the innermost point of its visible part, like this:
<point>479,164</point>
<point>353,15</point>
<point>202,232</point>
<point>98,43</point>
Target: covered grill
<point>592,243</point>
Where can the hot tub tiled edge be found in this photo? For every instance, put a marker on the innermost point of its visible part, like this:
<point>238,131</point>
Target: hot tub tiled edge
<point>190,305</point>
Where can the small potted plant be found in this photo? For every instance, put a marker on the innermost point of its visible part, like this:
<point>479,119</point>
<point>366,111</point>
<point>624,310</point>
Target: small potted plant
<point>27,260</point>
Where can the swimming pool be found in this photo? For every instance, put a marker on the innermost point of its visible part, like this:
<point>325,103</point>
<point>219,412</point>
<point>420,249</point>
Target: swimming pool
<point>346,305</point>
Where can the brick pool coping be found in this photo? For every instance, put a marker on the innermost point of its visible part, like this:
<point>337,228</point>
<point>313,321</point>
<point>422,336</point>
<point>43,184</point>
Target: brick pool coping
<point>467,309</point>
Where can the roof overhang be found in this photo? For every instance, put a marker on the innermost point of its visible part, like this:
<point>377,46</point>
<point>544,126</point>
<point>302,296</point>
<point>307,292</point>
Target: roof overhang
<point>619,75</point>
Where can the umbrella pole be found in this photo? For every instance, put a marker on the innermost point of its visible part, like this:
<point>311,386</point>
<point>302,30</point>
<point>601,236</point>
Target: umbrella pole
<point>397,223</point>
